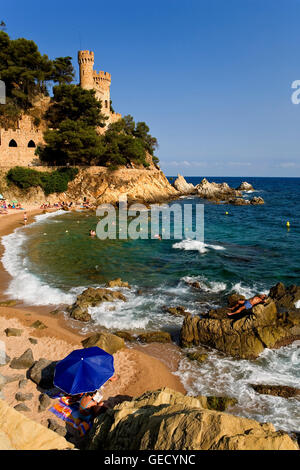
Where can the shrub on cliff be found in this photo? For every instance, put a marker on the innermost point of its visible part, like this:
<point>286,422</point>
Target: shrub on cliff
<point>51,182</point>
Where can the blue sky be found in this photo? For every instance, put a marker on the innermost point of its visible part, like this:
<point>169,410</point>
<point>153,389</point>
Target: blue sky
<point>212,78</point>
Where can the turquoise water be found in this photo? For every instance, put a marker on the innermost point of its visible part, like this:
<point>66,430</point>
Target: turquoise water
<point>247,251</point>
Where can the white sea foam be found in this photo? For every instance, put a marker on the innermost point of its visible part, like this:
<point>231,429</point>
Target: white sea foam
<point>248,291</point>
<point>196,245</point>
<point>205,285</point>
<point>297,304</point>
<point>224,376</point>
<point>24,285</point>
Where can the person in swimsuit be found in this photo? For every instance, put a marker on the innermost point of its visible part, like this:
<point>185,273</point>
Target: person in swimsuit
<point>92,404</point>
<point>25,218</point>
<point>246,304</point>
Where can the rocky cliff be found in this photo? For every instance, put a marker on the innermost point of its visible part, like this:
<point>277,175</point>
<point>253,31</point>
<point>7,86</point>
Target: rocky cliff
<point>167,420</point>
<point>99,185</point>
<point>17,432</point>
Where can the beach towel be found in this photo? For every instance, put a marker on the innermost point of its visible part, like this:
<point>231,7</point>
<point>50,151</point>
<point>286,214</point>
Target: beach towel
<point>70,413</point>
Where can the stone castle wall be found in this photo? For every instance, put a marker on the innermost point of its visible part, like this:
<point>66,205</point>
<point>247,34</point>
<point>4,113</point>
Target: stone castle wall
<point>17,146</point>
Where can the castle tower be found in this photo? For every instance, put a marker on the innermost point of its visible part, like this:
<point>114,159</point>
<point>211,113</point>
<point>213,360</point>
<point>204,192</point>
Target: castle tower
<point>98,81</point>
<point>86,66</point>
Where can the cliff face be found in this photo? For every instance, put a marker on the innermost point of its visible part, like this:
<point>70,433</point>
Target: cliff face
<point>99,185</point>
<point>167,420</point>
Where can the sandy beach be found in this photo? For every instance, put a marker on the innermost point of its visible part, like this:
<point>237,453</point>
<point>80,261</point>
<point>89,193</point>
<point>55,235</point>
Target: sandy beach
<point>138,367</point>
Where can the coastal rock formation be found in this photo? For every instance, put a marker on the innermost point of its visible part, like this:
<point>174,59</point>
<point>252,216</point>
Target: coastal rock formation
<point>155,337</point>
<point>110,343</point>
<point>216,191</point>
<point>91,298</point>
<point>179,311</point>
<point>183,186</point>
<point>244,186</point>
<point>17,432</point>
<point>257,201</point>
<point>244,337</point>
<point>277,390</point>
<point>167,420</point>
<point>118,283</point>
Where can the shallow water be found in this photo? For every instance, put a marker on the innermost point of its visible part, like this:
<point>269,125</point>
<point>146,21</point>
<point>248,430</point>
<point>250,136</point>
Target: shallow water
<point>246,251</point>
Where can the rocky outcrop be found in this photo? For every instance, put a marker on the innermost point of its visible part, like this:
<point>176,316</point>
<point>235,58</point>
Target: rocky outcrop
<point>91,298</point>
<point>277,390</point>
<point>216,191</point>
<point>118,283</point>
<point>244,186</point>
<point>255,201</point>
<point>99,185</point>
<point>42,373</point>
<point>17,432</point>
<point>167,420</point>
<point>183,186</point>
<point>155,337</point>
<point>244,337</point>
<point>110,343</point>
<point>179,311</point>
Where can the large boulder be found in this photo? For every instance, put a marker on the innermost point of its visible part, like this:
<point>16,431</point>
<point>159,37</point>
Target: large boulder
<point>257,200</point>
<point>244,337</point>
<point>17,432</point>
<point>277,390</point>
<point>167,420</point>
<point>183,186</point>
<point>106,341</point>
<point>155,337</point>
<point>42,373</point>
<point>118,283</point>
<point>92,298</point>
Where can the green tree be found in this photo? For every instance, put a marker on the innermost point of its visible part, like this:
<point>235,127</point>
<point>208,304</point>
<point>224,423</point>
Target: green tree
<point>62,70</point>
<point>74,103</point>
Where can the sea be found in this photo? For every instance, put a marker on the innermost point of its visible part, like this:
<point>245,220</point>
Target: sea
<point>246,249</point>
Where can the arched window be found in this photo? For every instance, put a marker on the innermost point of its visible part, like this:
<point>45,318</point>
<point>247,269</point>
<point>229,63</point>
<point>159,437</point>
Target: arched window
<point>31,144</point>
<point>13,143</point>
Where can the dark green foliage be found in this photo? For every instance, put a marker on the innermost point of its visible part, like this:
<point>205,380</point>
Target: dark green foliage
<point>74,142</point>
<point>26,71</point>
<point>74,103</point>
<point>51,182</point>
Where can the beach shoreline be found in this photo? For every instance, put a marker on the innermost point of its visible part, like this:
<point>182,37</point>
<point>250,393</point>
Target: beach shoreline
<point>140,367</point>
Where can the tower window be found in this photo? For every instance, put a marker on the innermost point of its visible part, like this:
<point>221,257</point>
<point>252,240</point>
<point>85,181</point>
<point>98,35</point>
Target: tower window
<point>106,103</point>
<point>31,144</point>
<point>13,143</point>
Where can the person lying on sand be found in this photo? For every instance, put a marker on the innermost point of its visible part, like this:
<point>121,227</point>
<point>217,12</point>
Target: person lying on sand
<point>91,404</point>
<point>247,304</point>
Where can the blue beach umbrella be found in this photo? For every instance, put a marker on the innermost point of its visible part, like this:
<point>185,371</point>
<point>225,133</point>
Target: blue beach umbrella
<point>84,370</point>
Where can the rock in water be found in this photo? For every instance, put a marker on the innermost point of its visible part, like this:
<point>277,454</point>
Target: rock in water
<point>107,341</point>
<point>25,361</point>
<point>167,420</point>
<point>118,283</point>
<point>257,200</point>
<point>183,186</point>
<point>91,298</point>
<point>244,186</point>
<point>277,390</point>
<point>243,338</point>
<point>155,337</point>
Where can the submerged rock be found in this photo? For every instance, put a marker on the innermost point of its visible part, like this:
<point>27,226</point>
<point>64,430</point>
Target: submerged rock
<point>118,283</point>
<point>125,335</point>
<point>167,420</point>
<point>91,298</point>
<point>197,356</point>
<point>155,337</point>
<point>107,341</point>
<point>277,390</point>
<point>257,200</point>
<point>243,337</point>
<point>176,311</point>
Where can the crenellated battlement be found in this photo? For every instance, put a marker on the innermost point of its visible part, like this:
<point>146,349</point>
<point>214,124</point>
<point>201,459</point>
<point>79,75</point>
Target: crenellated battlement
<point>85,56</point>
